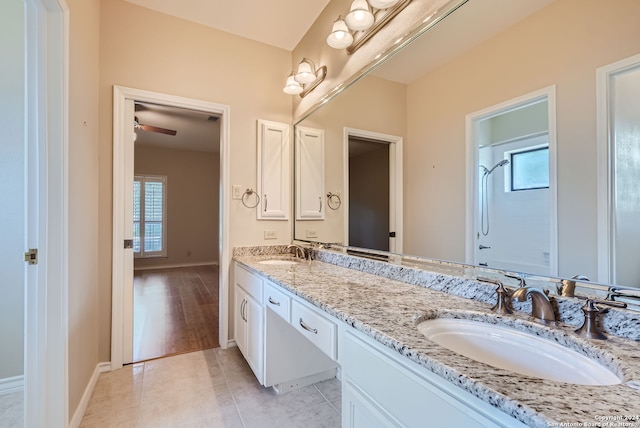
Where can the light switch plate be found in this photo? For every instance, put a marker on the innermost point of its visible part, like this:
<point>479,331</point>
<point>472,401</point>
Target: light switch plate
<point>270,234</point>
<point>312,233</point>
<point>237,191</point>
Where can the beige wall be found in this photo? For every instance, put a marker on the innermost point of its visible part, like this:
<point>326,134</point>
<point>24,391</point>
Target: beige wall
<point>193,184</point>
<point>544,50</point>
<point>83,196</point>
<point>143,49</point>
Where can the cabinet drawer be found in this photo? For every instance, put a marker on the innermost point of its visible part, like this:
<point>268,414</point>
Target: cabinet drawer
<point>251,283</point>
<point>315,327</point>
<point>277,301</point>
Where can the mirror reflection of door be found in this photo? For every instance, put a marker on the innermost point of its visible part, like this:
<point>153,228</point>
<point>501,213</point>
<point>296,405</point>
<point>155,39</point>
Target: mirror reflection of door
<point>513,182</point>
<point>621,152</point>
<point>369,194</point>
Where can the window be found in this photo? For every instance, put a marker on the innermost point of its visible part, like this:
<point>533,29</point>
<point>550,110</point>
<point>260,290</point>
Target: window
<point>149,216</point>
<point>530,169</point>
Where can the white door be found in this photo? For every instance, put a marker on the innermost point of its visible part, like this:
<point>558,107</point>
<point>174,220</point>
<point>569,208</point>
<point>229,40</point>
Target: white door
<point>621,104</point>
<point>13,188</point>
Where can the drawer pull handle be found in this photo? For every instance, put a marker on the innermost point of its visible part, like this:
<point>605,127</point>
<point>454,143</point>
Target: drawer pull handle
<point>306,327</point>
<point>273,302</point>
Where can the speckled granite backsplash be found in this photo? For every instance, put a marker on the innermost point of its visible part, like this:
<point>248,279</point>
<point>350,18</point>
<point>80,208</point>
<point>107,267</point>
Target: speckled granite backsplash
<point>619,322</point>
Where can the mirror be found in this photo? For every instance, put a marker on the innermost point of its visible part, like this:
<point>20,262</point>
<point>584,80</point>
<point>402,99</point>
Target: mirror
<point>423,98</point>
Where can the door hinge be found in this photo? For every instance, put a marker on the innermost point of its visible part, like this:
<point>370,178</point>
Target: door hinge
<point>392,234</point>
<point>31,256</point>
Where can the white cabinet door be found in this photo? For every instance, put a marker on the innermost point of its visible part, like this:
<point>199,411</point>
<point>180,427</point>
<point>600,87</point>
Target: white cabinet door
<point>274,170</point>
<point>310,174</point>
<point>240,325</point>
<point>359,412</point>
<point>255,336</point>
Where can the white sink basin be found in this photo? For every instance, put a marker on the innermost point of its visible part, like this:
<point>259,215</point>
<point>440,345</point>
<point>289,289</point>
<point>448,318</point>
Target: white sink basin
<point>516,351</point>
<point>278,262</point>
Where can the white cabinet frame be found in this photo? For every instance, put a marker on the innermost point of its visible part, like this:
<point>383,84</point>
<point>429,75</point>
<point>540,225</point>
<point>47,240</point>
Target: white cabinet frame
<point>274,170</point>
<point>310,174</point>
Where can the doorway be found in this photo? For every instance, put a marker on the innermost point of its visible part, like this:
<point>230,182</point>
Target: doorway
<point>618,109</point>
<point>373,190</point>
<point>124,238</point>
<point>175,230</point>
<point>511,205</point>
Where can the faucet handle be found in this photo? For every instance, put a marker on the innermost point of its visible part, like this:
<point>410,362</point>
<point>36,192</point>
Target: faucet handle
<point>503,297</point>
<point>589,327</point>
<point>502,304</point>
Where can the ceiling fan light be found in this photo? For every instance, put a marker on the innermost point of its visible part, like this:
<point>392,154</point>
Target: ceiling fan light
<point>340,37</point>
<point>292,87</point>
<point>382,4</point>
<point>306,72</point>
<point>360,17</point>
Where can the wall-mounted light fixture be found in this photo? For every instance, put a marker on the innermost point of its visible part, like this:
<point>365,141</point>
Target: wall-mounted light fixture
<point>364,20</point>
<point>305,79</point>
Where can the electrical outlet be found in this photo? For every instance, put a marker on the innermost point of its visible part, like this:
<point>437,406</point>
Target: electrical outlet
<point>270,234</point>
<point>237,191</point>
<point>312,233</point>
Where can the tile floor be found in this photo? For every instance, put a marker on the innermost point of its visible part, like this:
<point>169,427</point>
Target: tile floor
<point>11,410</point>
<point>210,388</point>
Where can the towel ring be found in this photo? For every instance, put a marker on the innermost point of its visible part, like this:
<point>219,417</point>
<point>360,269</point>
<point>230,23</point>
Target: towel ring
<point>333,201</point>
<point>247,193</point>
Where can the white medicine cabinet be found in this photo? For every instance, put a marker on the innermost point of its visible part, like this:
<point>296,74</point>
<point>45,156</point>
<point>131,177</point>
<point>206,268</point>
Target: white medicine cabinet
<point>274,170</point>
<point>310,174</point>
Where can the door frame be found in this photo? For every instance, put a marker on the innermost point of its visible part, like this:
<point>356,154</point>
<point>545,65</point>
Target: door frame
<point>606,256</point>
<point>472,165</point>
<point>395,183</point>
<point>47,137</point>
<point>122,307</point>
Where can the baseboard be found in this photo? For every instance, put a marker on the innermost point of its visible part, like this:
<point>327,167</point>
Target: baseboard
<point>9,385</point>
<point>176,265</point>
<point>305,381</point>
<point>84,401</point>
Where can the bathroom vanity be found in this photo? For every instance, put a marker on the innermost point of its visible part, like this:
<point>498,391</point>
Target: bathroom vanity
<point>350,314</point>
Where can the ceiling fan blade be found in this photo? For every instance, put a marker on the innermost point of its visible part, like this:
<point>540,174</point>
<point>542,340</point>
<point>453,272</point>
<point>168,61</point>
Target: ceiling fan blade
<point>157,129</point>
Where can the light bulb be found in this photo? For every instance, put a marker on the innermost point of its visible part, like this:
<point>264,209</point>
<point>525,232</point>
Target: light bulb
<point>360,17</point>
<point>292,87</point>
<point>306,72</point>
<point>340,37</point>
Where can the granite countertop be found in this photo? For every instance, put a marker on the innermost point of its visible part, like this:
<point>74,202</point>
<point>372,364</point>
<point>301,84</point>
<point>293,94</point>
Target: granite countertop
<point>388,311</point>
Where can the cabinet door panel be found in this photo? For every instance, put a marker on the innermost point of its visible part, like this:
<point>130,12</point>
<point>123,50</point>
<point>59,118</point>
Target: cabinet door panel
<point>273,170</point>
<point>310,174</point>
<point>359,412</point>
<point>255,334</point>
<point>240,325</point>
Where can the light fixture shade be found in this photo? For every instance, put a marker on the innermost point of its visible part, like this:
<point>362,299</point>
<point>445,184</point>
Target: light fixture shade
<point>340,37</point>
<point>382,4</point>
<point>292,87</point>
<point>306,72</point>
<point>360,17</point>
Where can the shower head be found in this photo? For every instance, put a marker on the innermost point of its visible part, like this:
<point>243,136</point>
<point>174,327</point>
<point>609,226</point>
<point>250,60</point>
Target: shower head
<point>503,162</point>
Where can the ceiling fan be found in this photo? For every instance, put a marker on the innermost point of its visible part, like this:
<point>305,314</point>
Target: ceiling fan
<point>138,125</point>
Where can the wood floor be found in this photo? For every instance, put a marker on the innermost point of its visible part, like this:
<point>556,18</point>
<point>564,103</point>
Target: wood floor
<point>174,311</point>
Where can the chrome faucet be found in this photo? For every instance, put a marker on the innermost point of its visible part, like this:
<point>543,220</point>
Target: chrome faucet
<point>541,308</point>
<point>300,251</point>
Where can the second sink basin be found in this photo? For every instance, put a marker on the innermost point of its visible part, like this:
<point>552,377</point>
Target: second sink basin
<point>516,351</point>
<point>278,262</point>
